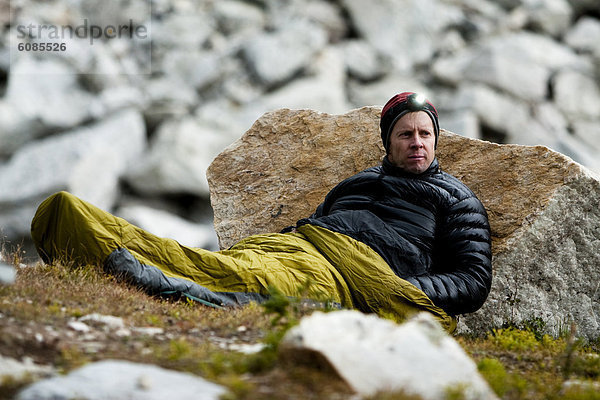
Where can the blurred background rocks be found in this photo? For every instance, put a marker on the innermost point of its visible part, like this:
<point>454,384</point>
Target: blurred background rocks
<point>132,125</point>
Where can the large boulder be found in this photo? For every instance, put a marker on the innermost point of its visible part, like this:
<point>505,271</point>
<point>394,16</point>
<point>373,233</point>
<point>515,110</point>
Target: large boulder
<point>542,206</point>
<point>284,165</point>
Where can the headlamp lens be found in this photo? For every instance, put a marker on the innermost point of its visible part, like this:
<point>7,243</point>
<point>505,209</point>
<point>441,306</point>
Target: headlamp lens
<point>416,101</point>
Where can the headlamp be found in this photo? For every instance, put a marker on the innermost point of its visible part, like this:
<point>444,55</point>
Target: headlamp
<point>416,101</point>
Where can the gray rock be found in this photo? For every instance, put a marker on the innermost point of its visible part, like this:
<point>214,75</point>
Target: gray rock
<point>549,16</point>
<point>167,98</point>
<point>118,12</point>
<point>15,221</point>
<point>4,57</point>
<point>19,370</point>
<point>520,64</point>
<point>550,128</point>
<point>543,124</point>
<point>540,49</point>
<point>550,271</point>
<point>7,274</point>
<point>236,16</point>
<point>451,43</point>
<point>378,92</point>
<point>362,61</point>
<point>584,34</point>
<point>16,128</point>
<point>325,14</point>
<point>490,10</point>
<point>180,152</point>
<point>185,30</point>
<point>581,6</point>
<point>374,355</point>
<point>6,13</point>
<point>577,95</point>
<point>238,84</point>
<point>546,126</point>
<point>226,116</point>
<point>109,322</point>
<point>379,21</point>
<point>114,64</point>
<point>87,162</point>
<point>275,57</point>
<point>462,122</point>
<point>122,380</point>
<point>167,225</point>
<point>323,88</point>
<point>580,152</point>
<point>43,89</point>
<point>192,68</point>
<point>492,108</point>
<point>588,132</point>
<point>113,99</point>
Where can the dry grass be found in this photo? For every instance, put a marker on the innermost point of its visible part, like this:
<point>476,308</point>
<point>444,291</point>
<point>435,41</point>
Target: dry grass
<point>36,311</point>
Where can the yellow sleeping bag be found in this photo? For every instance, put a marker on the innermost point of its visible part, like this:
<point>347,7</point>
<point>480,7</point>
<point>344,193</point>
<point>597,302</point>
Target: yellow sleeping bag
<point>331,266</point>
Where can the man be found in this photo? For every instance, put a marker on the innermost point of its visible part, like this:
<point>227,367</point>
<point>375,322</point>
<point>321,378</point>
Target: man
<point>428,226</point>
<point>394,239</point>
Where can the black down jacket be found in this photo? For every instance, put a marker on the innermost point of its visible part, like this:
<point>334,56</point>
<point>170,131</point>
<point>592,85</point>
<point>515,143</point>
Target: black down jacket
<point>430,228</point>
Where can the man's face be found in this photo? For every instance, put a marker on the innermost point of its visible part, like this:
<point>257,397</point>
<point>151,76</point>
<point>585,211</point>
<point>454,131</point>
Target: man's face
<point>412,142</point>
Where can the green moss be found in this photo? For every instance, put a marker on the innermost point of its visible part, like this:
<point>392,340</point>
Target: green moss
<point>154,320</point>
<point>238,388</point>
<point>513,339</point>
<point>494,373</point>
<point>178,349</point>
<point>586,366</point>
<point>457,392</point>
<point>72,357</point>
<point>278,304</point>
<point>10,386</point>
<point>581,391</point>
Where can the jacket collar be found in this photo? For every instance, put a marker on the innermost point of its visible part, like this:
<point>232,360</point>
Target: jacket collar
<point>391,169</point>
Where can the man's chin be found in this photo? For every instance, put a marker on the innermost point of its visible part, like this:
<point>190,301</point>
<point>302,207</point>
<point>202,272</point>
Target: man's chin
<point>417,168</point>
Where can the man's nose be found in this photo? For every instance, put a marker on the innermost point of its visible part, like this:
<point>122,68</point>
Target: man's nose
<point>416,141</point>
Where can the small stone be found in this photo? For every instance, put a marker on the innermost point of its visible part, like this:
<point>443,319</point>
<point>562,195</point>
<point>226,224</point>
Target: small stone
<point>148,331</point>
<point>11,368</point>
<point>8,274</point>
<point>79,326</point>
<point>109,321</point>
<point>247,348</point>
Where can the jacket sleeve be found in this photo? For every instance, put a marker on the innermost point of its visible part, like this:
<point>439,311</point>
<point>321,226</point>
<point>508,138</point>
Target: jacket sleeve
<point>461,276</point>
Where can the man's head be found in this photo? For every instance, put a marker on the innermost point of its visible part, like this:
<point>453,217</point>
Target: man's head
<point>409,130</point>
